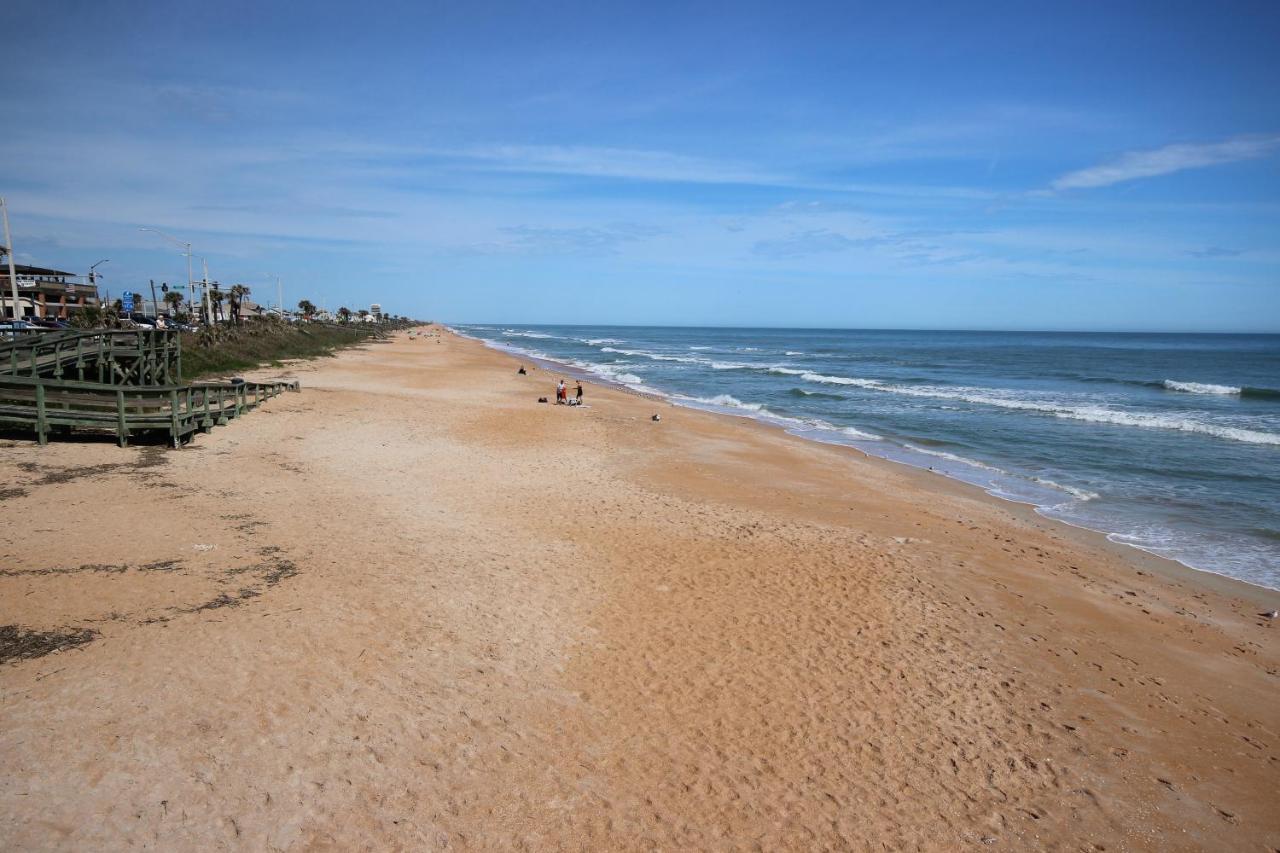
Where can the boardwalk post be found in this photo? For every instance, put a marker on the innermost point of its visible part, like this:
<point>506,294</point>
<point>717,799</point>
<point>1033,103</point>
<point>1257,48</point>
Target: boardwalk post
<point>42,426</point>
<point>175,428</point>
<point>122,431</point>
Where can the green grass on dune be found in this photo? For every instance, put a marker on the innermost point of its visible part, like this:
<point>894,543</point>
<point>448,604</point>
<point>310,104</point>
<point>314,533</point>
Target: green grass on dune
<point>229,349</point>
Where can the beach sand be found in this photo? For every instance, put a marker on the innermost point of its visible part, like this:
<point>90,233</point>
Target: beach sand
<point>411,608</point>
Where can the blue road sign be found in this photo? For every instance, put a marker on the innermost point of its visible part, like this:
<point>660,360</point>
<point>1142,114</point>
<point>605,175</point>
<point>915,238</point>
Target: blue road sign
<point>126,302</point>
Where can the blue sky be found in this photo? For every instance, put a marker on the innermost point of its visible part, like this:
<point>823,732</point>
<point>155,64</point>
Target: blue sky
<point>1022,165</point>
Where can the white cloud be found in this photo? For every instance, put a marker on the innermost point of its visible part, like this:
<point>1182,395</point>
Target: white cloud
<point>1166,160</point>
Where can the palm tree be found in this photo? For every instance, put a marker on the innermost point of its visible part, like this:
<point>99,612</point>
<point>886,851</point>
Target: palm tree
<point>344,314</point>
<point>238,293</point>
<point>216,297</point>
<point>173,299</point>
<point>307,308</point>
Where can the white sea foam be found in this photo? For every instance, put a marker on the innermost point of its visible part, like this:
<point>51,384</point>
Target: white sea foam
<point>1202,388</point>
<point>729,402</point>
<point>513,333</point>
<point>1079,494</point>
<point>654,356</point>
<point>793,352</point>
<point>786,371</point>
<point>612,373</point>
<point>804,426</point>
<point>598,341</point>
<point>951,457</point>
<point>1093,414</point>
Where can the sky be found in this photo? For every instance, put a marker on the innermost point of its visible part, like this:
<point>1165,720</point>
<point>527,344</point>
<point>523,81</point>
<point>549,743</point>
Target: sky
<point>1076,165</point>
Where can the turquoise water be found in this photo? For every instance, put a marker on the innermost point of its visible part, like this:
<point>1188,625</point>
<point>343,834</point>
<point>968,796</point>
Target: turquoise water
<point>1170,443</point>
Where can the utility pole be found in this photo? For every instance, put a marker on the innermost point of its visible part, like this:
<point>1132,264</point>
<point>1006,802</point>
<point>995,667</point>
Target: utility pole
<point>13,276</point>
<point>208,311</point>
<point>205,287</point>
<point>280,297</point>
<point>155,306</point>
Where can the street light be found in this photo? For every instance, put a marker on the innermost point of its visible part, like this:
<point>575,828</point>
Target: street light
<point>279,292</point>
<point>92,279</point>
<point>190,281</point>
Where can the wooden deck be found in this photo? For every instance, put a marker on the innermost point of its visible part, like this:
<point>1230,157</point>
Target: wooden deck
<point>121,382</point>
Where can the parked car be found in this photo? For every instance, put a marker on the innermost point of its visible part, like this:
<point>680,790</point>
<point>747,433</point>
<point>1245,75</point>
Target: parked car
<point>19,326</point>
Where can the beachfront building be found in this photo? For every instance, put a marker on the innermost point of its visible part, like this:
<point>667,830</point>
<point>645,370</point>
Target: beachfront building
<point>44,292</point>
<point>375,311</point>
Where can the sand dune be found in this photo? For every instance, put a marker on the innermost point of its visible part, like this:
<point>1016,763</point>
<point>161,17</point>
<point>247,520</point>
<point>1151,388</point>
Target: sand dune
<point>411,608</point>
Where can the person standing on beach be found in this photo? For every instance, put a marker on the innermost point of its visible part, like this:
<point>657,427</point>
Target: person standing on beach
<point>562,394</point>
<point>579,401</point>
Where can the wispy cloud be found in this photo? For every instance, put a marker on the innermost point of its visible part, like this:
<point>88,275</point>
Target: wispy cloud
<point>578,240</point>
<point>1167,160</point>
<point>603,162</point>
<point>1215,252</point>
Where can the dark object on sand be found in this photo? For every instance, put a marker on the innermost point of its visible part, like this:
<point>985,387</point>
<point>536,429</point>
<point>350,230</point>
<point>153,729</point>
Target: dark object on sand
<point>522,371</point>
<point>1270,614</point>
<point>657,418</point>
<point>542,399</point>
<point>18,644</point>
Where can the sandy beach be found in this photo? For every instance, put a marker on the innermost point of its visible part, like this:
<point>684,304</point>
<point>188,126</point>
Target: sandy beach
<point>411,608</point>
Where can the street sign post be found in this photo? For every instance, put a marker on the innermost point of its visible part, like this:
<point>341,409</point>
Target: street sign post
<point>126,302</point>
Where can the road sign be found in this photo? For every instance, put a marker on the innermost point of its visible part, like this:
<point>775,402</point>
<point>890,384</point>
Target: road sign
<point>126,302</point>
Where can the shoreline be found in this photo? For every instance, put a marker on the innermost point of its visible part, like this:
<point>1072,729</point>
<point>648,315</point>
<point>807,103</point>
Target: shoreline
<point>1175,568</point>
<point>411,608</point>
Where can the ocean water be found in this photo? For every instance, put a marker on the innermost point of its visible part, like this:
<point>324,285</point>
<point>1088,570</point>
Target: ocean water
<point>1167,442</point>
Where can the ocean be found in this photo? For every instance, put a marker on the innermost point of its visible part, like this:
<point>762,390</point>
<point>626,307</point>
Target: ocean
<point>1166,442</point>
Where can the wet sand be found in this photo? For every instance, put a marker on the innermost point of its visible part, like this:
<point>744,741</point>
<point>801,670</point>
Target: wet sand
<point>411,608</point>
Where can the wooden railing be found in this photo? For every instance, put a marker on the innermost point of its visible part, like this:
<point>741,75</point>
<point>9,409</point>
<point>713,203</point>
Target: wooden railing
<point>104,356</point>
<point>49,405</point>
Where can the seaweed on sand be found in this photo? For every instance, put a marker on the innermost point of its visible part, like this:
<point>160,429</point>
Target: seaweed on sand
<point>19,644</point>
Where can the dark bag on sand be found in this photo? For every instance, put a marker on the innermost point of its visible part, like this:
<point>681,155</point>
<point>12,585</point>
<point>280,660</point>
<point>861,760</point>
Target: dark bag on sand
<point>542,399</point>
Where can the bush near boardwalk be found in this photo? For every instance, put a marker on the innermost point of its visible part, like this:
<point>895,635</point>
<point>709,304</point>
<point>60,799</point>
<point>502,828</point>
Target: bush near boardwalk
<point>225,349</point>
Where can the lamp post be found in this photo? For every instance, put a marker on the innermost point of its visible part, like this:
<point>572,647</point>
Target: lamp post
<point>279,292</point>
<point>92,278</point>
<point>93,282</point>
<point>190,280</point>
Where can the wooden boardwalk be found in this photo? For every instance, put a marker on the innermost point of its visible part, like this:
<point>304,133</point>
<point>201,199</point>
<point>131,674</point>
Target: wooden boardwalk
<point>121,382</point>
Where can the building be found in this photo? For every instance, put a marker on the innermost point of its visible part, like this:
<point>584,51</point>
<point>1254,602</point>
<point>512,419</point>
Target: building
<point>375,311</point>
<point>44,292</point>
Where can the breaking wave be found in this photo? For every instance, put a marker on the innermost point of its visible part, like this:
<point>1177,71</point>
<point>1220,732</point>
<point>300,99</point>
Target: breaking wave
<point>1202,388</point>
<point>1091,414</point>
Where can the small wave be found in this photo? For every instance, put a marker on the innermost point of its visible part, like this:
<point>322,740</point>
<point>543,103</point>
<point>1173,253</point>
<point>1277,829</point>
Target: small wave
<point>951,457</point>
<point>822,395</point>
<point>1081,495</point>
<point>654,356</point>
<point>1250,392</point>
<point>595,342</point>
<point>512,333</point>
<point>699,348</point>
<point>809,427</point>
<point>612,373</point>
<point>727,401</point>
<point>793,352</point>
<point>1202,388</point>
